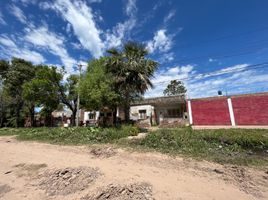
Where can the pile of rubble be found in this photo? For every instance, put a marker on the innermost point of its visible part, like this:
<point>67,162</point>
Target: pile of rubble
<point>4,189</point>
<point>140,191</point>
<point>103,152</point>
<point>67,181</point>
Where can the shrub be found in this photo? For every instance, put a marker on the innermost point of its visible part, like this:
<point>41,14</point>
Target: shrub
<point>231,146</point>
<point>72,135</point>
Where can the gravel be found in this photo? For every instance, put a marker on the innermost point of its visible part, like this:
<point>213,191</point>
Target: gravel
<point>67,181</point>
<point>136,191</point>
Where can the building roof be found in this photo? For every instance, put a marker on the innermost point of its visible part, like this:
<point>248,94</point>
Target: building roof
<point>233,96</point>
<point>164,100</point>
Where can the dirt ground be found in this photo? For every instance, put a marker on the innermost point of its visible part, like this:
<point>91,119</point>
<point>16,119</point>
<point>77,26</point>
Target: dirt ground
<point>31,170</point>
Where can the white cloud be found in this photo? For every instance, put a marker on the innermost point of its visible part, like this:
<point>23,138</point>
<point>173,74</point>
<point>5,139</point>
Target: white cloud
<point>170,15</point>
<point>95,1</point>
<point>4,40</point>
<point>51,42</point>
<point>76,45</point>
<point>80,16</point>
<point>211,60</point>
<point>114,37</point>
<point>83,21</point>
<point>235,67</point>
<point>68,29</point>
<point>232,83</point>
<point>10,49</point>
<point>131,7</point>
<point>161,42</point>
<point>166,57</point>
<point>45,5</point>
<point>18,13</point>
<point>2,21</point>
<point>25,2</point>
<point>163,78</point>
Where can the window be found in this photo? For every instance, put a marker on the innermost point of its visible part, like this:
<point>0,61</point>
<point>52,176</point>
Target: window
<point>142,114</point>
<point>91,115</point>
<point>173,113</point>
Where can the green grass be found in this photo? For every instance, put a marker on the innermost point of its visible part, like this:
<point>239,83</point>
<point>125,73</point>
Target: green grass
<point>74,136</point>
<point>235,146</point>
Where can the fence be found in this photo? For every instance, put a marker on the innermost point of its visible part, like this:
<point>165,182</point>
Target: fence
<point>249,109</point>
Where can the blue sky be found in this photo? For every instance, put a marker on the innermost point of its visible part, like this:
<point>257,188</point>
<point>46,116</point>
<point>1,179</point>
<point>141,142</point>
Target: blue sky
<point>194,41</point>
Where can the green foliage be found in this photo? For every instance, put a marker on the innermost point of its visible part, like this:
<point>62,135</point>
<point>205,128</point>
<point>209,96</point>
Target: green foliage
<point>71,88</point>
<point>97,88</point>
<point>4,67</point>
<point>18,73</point>
<point>131,72</point>
<point>68,94</point>
<point>237,146</point>
<point>72,135</point>
<point>175,88</point>
<point>43,88</point>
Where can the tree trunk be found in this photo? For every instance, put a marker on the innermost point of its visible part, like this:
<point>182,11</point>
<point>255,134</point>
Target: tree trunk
<point>49,119</point>
<point>2,120</point>
<point>126,112</point>
<point>2,112</point>
<point>31,111</point>
<point>74,111</point>
<point>18,116</point>
<point>127,107</point>
<point>114,116</point>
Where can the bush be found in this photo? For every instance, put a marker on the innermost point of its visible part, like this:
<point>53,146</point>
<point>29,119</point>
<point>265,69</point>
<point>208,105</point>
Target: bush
<point>80,135</point>
<point>231,146</point>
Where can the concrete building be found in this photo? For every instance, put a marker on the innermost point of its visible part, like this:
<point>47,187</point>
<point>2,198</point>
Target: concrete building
<point>167,111</point>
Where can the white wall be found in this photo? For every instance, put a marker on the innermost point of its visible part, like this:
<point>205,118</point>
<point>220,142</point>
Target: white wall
<point>86,115</point>
<point>134,111</point>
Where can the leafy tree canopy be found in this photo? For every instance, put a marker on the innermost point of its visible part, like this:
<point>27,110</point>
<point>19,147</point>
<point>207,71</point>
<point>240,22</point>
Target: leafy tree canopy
<point>175,87</point>
<point>43,88</point>
<point>19,72</point>
<point>131,72</point>
<point>97,88</point>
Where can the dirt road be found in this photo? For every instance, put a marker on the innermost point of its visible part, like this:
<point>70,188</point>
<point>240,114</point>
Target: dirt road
<point>30,170</point>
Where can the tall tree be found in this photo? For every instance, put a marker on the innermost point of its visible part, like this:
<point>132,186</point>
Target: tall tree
<point>4,66</point>
<point>43,90</point>
<point>68,92</point>
<point>131,71</point>
<point>97,88</point>
<point>175,87</point>
<point>18,73</point>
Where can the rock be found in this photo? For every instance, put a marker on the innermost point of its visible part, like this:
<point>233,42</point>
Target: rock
<point>67,181</point>
<point>103,152</point>
<point>218,171</point>
<point>4,189</point>
<point>136,191</point>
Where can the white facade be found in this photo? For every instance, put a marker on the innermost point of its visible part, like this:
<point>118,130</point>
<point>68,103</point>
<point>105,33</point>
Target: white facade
<point>141,112</point>
<point>91,115</point>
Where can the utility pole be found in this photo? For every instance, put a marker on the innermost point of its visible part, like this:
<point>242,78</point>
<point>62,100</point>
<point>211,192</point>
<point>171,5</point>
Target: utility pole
<point>78,96</point>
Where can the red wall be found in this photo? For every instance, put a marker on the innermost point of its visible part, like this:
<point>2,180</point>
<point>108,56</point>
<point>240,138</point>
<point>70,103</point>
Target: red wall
<point>211,111</point>
<point>251,110</point>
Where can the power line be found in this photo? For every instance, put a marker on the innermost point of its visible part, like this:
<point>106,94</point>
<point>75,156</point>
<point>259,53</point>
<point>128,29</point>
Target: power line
<point>247,51</point>
<point>224,37</point>
<point>219,72</point>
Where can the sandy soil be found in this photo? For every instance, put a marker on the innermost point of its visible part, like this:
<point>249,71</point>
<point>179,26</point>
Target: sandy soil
<point>26,166</point>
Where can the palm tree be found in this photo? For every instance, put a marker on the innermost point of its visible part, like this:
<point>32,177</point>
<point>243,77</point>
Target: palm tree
<point>132,72</point>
